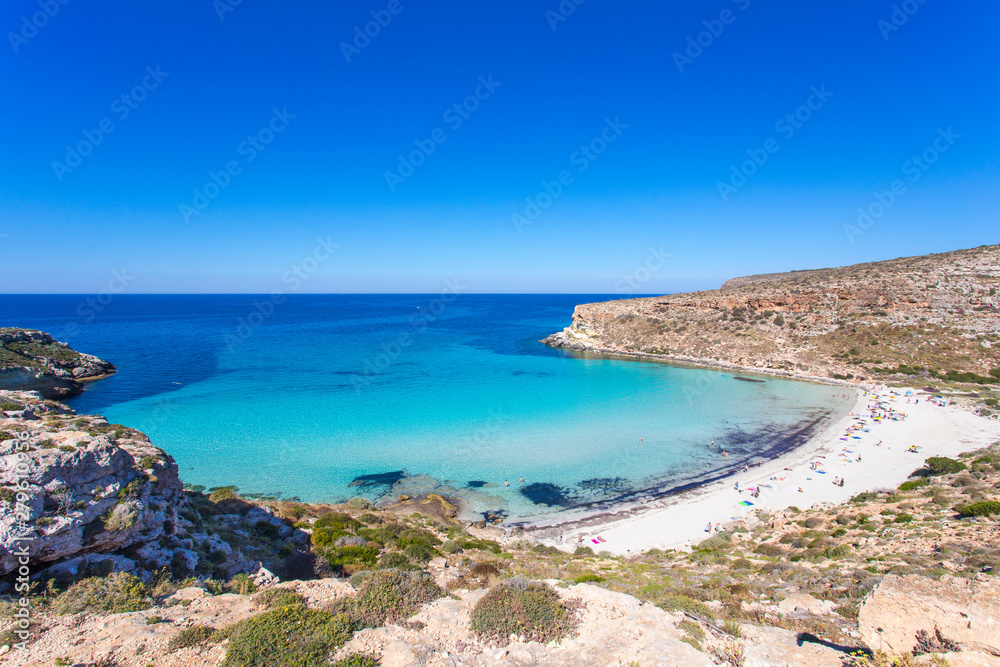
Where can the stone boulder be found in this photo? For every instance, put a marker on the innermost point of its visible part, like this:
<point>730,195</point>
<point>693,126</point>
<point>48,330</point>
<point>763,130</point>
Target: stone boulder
<point>965,611</point>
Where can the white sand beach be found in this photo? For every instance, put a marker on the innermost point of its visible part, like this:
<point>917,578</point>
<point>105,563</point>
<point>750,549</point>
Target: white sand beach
<point>804,477</point>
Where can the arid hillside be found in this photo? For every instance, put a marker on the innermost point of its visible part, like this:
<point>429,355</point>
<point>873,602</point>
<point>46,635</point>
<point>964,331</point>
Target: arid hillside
<point>936,317</point>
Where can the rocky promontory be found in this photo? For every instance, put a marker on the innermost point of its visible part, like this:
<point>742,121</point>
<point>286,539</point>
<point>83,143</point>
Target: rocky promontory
<point>35,361</point>
<point>80,494</point>
<point>936,317</point>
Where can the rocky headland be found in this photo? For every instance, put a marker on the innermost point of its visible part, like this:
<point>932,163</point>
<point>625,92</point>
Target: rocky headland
<point>933,319</point>
<point>35,361</point>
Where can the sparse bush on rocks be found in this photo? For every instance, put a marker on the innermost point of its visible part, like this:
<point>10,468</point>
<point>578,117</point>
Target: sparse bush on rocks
<point>278,597</point>
<point>522,608</point>
<point>196,635</point>
<point>117,593</point>
<point>392,595</point>
<point>290,636</point>
<point>942,465</point>
<point>985,508</point>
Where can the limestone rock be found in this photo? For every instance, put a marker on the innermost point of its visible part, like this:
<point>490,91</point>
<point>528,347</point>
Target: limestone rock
<point>35,361</point>
<point>966,611</point>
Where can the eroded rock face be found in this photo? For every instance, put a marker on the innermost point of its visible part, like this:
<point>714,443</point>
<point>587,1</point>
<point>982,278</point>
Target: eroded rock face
<point>87,488</point>
<point>964,611</point>
<point>78,494</point>
<point>938,312</point>
<point>35,361</point>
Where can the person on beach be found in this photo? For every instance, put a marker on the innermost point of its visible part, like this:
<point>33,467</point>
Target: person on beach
<point>708,528</point>
<point>725,455</point>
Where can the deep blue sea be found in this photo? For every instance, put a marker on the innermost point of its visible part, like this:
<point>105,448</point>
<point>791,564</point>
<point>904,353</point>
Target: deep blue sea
<point>324,397</point>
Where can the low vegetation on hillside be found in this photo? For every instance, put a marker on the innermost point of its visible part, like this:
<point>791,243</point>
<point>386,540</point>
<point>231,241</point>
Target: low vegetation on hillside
<point>942,521</point>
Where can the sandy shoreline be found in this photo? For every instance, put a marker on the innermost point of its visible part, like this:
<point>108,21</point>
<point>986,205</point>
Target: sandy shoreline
<point>679,520</point>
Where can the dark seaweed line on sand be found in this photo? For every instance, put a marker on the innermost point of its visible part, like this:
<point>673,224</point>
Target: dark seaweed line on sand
<point>793,437</point>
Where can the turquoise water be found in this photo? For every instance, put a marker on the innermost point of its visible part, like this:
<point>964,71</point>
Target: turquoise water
<point>418,392</point>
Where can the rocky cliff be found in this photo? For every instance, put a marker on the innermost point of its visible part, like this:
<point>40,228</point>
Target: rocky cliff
<point>78,494</point>
<point>35,361</point>
<point>936,316</point>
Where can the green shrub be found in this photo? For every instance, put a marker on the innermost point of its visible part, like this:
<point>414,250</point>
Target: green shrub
<point>226,493</point>
<point>521,607</point>
<point>337,521</point>
<point>395,559</point>
<point>984,508</point>
<point>242,584</point>
<point>279,597</point>
<point>358,660</point>
<point>293,636</point>
<point>196,635</point>
<point>482,545</point>
<point>117,593</point>
<point>913,484</point>
<point>369,518</point>
<point>694,607</point>
<point>450,547</point>
<point>350,559</point>
<point>769,549</point>
<point>391,595</point>
<point>322,537</point>
<point>420,551</point>
<point>942,465</point>
<point>583,551</point>
<point>903,518</point>
<point>267,530</point>
<point>359,504</point>
<point>589,578</point>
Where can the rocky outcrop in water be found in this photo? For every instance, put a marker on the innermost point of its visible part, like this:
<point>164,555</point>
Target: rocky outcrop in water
<point>35,361</point>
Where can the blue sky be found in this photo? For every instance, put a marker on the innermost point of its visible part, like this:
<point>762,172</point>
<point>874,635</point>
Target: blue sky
<point>641,137</point>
